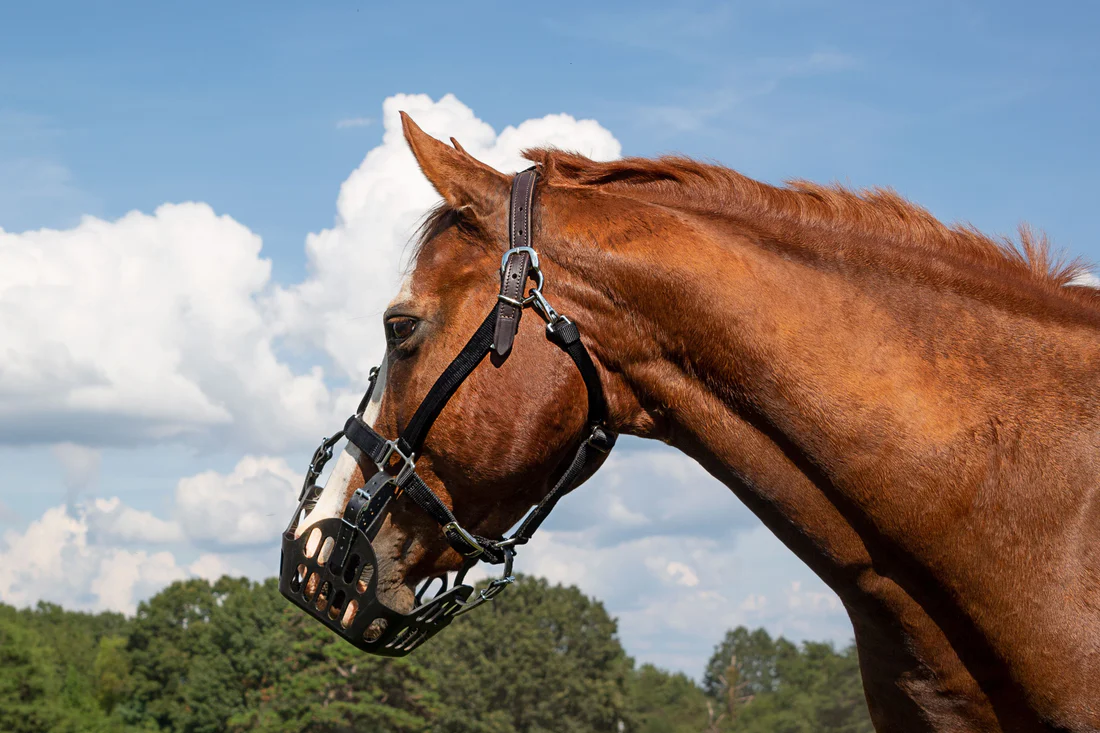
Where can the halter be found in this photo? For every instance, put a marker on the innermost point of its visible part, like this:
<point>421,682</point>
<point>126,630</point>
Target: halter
<point>331,571</point>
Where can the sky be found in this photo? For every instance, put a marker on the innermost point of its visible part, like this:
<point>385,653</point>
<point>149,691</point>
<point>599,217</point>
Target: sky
<point>204,207</point>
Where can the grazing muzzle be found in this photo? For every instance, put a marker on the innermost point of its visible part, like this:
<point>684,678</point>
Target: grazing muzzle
<point>331,571</point>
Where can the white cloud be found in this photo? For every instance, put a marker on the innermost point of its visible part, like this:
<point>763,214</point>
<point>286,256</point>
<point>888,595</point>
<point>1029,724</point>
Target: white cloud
<point>648,489</point>
<point>676,595</point>
<point>682,574</point>
<point>144,329</point>
<point>109,521</point>
<point>248,507</point>
<point>211,567</point>
<point>104,555</point>
<point>53,560</point>
<point>124,577</point>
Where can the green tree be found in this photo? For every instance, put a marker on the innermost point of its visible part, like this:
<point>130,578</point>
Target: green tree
<point>41,689</point>
<point>758,684</point>
<point>29,681</point>
<point>666,703</point>
<point>328,686</point>
<point>111,673</point>
<point>538,658</point>
<point>165,636</point>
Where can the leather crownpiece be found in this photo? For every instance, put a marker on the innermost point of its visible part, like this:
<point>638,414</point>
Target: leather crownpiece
<point>513,279</point>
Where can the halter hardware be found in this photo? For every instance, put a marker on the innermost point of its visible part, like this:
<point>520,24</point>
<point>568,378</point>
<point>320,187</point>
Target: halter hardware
<point>327,582</point>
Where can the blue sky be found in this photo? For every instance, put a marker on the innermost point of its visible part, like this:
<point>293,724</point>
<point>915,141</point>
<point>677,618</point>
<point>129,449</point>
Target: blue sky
<point>985,112</point>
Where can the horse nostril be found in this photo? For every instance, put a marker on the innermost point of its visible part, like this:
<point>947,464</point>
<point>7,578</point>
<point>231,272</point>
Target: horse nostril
<point>365,578</point>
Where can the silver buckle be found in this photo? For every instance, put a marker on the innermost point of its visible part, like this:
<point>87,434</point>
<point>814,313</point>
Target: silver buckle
<point>534,258</point>
<point>409,465</point>
<point>466,537</point>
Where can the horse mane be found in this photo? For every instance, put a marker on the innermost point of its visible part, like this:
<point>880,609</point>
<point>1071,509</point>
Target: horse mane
<point>829,217</point>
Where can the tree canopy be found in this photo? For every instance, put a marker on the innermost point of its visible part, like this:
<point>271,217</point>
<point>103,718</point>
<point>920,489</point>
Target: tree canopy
<point>232,655</point>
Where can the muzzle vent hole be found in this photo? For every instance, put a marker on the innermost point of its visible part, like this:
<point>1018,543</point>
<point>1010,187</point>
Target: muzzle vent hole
<point>349,614</point>
<point>424,594</point>
<point>299,577</point>
<point>311,586</point>
<point>323,596</point>
<point>364,578</point>
<point>326,550</point>
<point>312,541</point>
<point>337,605</point>
<point>375,630</point>
<point>351,569</point>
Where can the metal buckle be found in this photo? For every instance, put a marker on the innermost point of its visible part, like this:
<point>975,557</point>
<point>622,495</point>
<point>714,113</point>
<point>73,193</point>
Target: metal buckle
<point>466,537</point>
<point>405,470</point>
<point>534,258</point>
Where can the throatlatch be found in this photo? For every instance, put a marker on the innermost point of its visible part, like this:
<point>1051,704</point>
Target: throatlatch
<point>331,571</point>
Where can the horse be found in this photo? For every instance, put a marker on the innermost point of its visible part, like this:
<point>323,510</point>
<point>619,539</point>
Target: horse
<point>910,407</point>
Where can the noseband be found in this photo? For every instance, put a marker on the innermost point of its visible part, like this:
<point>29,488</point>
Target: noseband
<point>331,571</point>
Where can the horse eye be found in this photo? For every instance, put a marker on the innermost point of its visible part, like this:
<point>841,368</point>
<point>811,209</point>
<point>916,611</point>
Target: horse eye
<point>400,328</point>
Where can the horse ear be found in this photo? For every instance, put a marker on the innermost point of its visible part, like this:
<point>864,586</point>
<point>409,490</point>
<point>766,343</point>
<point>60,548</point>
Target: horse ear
<point>461,180</point>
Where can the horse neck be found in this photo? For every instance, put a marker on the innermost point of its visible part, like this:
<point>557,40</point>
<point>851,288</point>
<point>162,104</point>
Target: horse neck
<point>707,335</point>
<point>779,374</point>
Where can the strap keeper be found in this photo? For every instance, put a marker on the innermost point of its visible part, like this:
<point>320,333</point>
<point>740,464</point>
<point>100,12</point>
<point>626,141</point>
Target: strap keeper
<point>563,332</point>
<point>601,439</point>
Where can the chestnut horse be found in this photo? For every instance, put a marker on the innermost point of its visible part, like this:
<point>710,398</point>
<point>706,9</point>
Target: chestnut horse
<point>910,408</point>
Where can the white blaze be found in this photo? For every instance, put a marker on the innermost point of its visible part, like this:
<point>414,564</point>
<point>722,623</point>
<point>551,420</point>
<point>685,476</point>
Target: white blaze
<point>339,488</point>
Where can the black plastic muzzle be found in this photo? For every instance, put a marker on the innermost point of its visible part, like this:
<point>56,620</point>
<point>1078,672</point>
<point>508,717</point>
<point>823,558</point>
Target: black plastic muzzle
<point>331,573</point>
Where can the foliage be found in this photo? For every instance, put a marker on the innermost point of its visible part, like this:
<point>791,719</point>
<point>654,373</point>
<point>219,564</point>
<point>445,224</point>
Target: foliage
<point>233,656</point>
<point>540,658</point>
<point>758,684</point>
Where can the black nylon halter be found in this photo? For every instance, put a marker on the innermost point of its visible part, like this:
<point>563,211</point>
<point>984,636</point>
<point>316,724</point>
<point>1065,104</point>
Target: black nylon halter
<point>395,459</point>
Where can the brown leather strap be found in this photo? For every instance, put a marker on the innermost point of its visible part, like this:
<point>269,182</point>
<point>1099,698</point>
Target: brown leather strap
<point>513,280</point>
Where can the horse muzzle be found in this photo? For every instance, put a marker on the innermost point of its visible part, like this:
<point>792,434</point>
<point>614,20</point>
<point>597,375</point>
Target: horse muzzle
<point>331,572</point>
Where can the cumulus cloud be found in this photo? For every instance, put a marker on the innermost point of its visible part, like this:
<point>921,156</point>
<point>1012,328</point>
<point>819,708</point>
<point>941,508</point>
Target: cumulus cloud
<point>143,329</point>
<point>675,596</point>
<point>250,506</point>
<point>105,555</point>
<point>109,521</point>
<point>1086,279</point>
<point>648,489</point>
<point>53,560</point>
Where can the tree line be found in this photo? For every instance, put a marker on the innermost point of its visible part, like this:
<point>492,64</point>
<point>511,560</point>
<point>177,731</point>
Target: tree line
<point>233,655</point>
